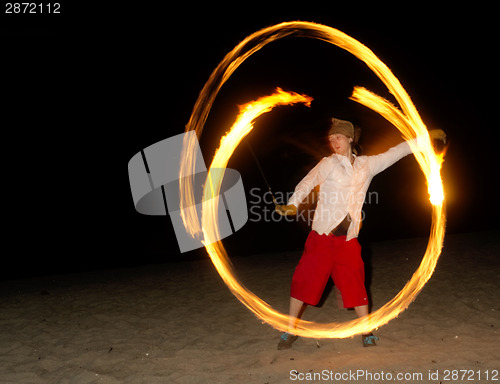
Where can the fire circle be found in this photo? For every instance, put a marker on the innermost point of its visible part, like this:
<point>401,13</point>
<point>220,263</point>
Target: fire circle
<point>406,120</point>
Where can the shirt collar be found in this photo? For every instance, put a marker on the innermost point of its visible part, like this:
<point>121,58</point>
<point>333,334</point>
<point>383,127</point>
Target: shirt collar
<point>342,157</point>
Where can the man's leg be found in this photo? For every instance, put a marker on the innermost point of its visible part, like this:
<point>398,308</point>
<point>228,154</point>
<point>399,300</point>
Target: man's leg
<point>361,310</point>
<point>297,308</point>
<point>308,281</point>
<point>367,337</point>
<point>349,276</point>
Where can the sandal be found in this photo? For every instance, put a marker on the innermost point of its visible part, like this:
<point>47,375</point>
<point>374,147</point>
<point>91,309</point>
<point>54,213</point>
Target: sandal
<point>369,340</point>
<point>286,341</point>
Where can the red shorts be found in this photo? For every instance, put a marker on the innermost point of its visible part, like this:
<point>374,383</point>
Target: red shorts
<point>325,256</point>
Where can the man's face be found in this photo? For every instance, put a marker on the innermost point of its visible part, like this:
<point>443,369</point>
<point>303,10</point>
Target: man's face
<point>340,144</point>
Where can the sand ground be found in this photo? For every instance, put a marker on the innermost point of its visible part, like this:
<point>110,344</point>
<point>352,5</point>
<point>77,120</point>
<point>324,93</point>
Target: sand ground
<point>178,323</point>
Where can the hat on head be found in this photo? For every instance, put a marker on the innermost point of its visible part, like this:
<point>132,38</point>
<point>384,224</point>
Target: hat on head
<point>341,126</point>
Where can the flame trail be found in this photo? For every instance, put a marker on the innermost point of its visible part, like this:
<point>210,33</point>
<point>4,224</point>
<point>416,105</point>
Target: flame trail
<point>407,120</point>
<point>430,163</point>
<point>243,125</point>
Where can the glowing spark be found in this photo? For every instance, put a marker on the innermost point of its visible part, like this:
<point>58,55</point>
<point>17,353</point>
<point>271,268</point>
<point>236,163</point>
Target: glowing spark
<point>407,120</point>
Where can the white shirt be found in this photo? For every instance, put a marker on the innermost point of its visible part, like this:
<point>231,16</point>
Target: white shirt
<point>343,187</point>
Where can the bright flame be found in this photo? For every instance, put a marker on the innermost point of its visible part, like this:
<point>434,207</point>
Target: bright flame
<point>243,125</point>
<point>429,162</point>
<point>407,120</point>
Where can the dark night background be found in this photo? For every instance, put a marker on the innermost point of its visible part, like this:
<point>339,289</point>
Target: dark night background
<point>86,90</point>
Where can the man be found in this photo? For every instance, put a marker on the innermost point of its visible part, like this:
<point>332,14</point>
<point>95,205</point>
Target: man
<point>332,248</point>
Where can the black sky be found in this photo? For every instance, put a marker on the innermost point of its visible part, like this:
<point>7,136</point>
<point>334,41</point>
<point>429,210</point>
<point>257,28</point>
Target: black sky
<point>89,90</point>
